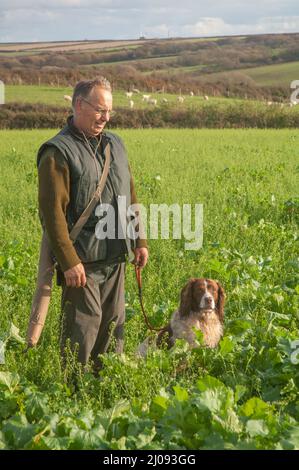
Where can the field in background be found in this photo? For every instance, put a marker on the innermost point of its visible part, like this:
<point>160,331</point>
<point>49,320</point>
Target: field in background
<point>243,394</point>
<point>6,49</point>
<point>22,48</point>
<point>282,74</point>
<point>55,96</point>
<point>254,66</point>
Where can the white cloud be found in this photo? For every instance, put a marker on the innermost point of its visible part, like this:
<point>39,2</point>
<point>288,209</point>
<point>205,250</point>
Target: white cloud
<point>18,17</point>
<point>218,27</point>
<point>46,20</point>
<point>160,30</point>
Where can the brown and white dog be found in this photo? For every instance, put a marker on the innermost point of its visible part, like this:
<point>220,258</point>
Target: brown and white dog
<point>201,308</point>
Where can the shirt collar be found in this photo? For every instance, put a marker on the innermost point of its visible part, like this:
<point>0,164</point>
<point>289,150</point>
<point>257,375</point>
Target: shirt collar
<point>75,131</point>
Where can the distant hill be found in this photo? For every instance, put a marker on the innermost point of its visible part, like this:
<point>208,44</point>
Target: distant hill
<point>257,66</point>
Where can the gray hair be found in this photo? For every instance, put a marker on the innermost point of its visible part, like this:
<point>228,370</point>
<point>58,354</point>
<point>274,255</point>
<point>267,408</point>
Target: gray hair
<point>84,87</point>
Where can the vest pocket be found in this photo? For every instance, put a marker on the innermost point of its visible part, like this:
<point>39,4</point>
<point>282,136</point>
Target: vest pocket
<point>89,248</point>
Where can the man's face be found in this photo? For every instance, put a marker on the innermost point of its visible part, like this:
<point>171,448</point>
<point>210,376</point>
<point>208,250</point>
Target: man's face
<point>92,113</point>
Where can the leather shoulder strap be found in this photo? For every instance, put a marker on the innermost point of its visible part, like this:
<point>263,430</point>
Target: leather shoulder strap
<point>95,198</point>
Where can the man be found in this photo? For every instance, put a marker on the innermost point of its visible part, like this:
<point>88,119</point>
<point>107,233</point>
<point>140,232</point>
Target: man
<point>91,271</point>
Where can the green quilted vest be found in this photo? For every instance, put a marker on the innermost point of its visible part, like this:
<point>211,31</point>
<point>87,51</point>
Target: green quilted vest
<point>83,183</point>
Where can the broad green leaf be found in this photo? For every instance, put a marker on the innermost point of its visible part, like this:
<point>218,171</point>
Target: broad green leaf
<point>199,336</point>
<point>226,345</point>
<point>2,441</point>
<point>36,406</point>
<point>145,438</point>
<point>239,392</point>
<point>257,427</point>
<point>119,444</point>
<point>8,404</point>
<point>18,432</point>
<point>161,401</point>
<point>53,443</point>
<point>181,394</point>
<point>217,400</point>
<point>82,439</point>
<point>255,408</point>
<point>208,382</point>
<point>9,380</point>
<point>14,334</point>
<point>85,419</point>
<point>232,422</point>
<point>120,408</point>
<point>108,416</point>
<point>291,440</point>
<point>237,327</point>
<point>215,441</point>
<point>65,426</point>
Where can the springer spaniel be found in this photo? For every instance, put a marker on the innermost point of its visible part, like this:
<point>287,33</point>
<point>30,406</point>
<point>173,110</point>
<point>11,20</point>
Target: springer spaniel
<point>201,308</point>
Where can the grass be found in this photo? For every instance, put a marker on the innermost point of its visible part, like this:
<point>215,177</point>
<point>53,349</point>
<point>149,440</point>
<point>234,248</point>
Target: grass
<point>145,61</point>
<point>46,94</point>
<point>279,74</point>
<point>247,181</point>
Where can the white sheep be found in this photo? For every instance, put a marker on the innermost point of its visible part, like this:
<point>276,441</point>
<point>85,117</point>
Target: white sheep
<point>269,103</point>
<point>180,99</point>
<point>146,97</point>
<point>152,101</point>
<point>67,98</point>
<point>164,100</point>
<point>206,98</point>
<point>191,93</point>
<point>129,94</point>
<point>131,103</point>
<point>135,90</point>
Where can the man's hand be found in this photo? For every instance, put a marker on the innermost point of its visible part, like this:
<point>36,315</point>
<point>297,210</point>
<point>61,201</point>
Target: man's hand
<point>75,277</point>
<point>141,257</point>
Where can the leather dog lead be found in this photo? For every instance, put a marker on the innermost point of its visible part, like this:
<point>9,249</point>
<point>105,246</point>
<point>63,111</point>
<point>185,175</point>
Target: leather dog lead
<point>139,283</point>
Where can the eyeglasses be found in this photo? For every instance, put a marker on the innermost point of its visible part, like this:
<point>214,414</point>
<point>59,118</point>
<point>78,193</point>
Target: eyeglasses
<point>100,111</point>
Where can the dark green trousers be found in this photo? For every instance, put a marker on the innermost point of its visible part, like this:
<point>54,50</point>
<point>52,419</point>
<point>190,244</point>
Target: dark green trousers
<point>88,312</point>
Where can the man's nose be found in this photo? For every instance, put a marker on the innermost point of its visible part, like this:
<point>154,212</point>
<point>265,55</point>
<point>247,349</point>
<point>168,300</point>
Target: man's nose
<point>105,116</point>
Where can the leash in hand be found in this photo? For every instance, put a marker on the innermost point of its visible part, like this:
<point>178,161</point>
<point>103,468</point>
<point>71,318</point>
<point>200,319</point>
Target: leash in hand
<point>139,283</point>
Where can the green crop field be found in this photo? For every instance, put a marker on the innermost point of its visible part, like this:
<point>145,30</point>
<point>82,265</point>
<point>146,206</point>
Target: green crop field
<point>48,95</point>
<point>241,395</point>
<point>280,74</point>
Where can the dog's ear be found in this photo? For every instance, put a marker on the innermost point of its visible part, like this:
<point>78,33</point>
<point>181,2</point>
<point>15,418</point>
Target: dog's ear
<point>186,298</point>
<point>221,301</point>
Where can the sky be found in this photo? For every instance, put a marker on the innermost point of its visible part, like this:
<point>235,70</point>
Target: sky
<point>55,20</point>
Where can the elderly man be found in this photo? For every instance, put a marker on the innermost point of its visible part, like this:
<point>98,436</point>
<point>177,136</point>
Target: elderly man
<point>91,271</point>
